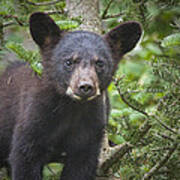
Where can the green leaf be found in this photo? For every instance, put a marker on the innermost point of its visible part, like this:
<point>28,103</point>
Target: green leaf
<point>171,40</point>
<point>119,113</point>
<point>52,171</point>
<point>67,24</point>
<point>117,139</point>
<point>136,118</point>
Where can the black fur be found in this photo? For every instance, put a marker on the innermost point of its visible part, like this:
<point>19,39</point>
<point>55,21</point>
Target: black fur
<point>39,121</point>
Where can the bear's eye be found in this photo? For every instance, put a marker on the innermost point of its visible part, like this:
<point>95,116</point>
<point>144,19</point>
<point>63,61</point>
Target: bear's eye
<point>100,64</point>
<point>68,63</point>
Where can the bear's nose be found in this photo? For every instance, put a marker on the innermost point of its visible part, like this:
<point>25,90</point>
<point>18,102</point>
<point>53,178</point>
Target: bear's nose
<point>86,89</point>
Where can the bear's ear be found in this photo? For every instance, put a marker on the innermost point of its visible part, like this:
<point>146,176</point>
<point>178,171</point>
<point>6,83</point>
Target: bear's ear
<point>123,38</point>
<point>43,29</point>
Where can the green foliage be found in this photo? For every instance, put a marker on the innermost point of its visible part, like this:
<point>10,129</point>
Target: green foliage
<point>32,57</point>
<point>171,40</point>
<point>149,82</point>
<point>6,7</point>
<point>18,14</point>
<point>67,24</point>
<point>52,171</point>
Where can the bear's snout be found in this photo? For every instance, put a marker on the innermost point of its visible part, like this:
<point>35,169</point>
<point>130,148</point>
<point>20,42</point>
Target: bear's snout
<point>84,84</point>
<point>86,89</point>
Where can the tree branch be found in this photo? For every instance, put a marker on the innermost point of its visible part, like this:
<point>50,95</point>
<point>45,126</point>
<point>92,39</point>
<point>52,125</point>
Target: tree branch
<point>55,12</point>
<point>8,24</point>
<point>112,16</point>
<point>113,155</point>
<point>116,82</point>
<point>165,136</point>
<point>165,126</point>
<point>19,22</point>
<point>43,3</point>
<point>153,170</point>
<point>116,153</point>
<point>106,10</point>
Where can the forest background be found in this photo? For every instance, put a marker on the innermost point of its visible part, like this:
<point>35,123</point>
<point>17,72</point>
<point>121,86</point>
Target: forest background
<point>144,124</point>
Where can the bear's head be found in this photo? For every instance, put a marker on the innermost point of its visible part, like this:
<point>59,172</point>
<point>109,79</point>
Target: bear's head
<point>81,64</point>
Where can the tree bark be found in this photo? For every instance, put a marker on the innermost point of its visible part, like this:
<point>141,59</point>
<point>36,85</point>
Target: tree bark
<point>88,11</point>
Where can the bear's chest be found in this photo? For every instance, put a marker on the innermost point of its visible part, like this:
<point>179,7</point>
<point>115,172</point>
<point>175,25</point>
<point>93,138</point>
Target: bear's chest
<point>73,127</point>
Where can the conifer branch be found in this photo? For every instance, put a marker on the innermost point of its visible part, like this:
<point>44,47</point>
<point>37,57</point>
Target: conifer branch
<point>116,153</point>
<point>166,137</point>
<point>165,126</point>
<point>161,163</point>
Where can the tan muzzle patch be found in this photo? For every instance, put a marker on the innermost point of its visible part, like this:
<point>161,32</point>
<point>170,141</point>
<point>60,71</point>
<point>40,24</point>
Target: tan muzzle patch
<point>81,77</point>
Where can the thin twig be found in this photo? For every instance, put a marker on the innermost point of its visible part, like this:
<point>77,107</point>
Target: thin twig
<point>165,126</point>
<point>18,22</point>
<point>106,10</point>
<point>112,16</point>
<point>116,82</point>
<point>54,12</point>
<point>50,169</point>
<point>165,137</point>
<point>8,16</point>
<point>12,17</point>
<point>154,169</point>
<point>162,149</point>
<point>43,3</point>
<point>8,24</point>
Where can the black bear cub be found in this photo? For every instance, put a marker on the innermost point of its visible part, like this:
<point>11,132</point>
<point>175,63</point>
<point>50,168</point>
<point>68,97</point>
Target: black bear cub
<point>62,114</point>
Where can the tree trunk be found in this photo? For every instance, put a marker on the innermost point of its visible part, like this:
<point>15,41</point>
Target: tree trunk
<point>88,11</point>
